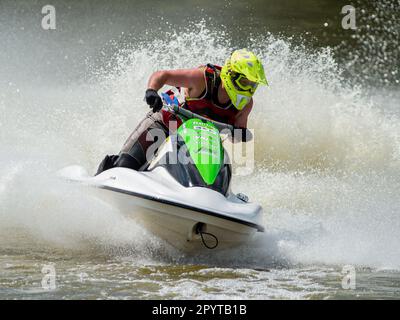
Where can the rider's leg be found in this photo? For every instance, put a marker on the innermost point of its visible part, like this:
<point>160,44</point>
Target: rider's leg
<point>133,153</point>
<point>147,133</point>
<point>107,163</point>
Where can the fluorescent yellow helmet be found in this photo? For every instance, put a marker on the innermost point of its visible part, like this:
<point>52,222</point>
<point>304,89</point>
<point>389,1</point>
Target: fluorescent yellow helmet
<point>241,75</point>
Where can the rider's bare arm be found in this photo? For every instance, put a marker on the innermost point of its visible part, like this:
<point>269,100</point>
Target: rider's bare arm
<point>243,135</point>
<point>192,79</point>
<point>243,115</point>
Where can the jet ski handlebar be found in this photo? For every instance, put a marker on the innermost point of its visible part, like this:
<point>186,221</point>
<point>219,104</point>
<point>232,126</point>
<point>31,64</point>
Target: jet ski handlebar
<point>189,114</point>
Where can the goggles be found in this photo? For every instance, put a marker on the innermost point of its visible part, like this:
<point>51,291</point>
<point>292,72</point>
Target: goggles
<point>241,83</point>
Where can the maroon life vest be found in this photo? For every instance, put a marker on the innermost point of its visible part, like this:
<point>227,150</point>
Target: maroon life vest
<point>207,104</point>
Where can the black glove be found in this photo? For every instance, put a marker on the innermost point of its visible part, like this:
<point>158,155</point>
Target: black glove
<point>153,100</point>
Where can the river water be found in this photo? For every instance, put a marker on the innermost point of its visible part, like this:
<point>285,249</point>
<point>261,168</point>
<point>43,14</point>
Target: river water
<point>327,148</point>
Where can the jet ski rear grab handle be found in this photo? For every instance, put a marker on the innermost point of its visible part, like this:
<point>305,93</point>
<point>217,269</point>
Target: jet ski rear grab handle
<point>189,115</point>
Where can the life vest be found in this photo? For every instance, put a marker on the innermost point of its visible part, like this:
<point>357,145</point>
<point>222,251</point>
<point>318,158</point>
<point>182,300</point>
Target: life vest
<point>207,104</point>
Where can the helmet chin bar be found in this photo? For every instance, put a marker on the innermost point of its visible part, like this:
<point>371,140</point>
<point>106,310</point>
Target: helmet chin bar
<point>240,99</point>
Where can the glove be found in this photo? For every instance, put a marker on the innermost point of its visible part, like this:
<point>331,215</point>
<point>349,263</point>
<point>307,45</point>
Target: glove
<point>153,100</point>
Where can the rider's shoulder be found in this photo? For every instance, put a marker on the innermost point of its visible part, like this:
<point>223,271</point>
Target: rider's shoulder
<point>198,71</point>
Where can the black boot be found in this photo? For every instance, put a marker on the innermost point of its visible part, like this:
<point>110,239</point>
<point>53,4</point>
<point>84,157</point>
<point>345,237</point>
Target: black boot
<point>107,163</point>
<point>125,160</point>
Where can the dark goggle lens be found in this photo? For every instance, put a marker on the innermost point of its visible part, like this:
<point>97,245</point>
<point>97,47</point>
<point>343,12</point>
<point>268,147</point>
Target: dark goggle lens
<point>242,83</point>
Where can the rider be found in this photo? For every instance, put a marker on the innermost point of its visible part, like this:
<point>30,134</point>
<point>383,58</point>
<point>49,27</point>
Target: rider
<point>222,94</point>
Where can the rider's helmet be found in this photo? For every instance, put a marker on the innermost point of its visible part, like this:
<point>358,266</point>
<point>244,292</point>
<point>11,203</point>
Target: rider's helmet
<point>241,75</point>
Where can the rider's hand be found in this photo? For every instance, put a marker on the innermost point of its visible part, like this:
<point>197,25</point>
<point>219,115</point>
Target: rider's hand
<point>153,100</point>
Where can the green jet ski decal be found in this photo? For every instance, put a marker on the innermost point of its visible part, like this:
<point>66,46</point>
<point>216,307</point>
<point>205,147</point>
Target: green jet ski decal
<point>205,148</point>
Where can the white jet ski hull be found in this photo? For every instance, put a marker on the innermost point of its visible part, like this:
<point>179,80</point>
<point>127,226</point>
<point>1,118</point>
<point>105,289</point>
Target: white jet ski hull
<point>174,213</point>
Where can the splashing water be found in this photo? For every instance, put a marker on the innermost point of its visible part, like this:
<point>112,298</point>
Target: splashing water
<point>327,156</point>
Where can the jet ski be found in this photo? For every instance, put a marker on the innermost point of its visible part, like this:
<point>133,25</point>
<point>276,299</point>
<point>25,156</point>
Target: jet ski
<point>183,195</point>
